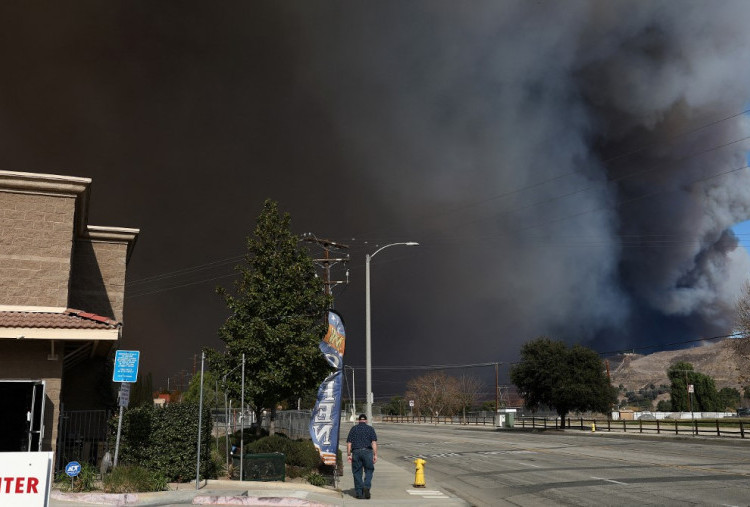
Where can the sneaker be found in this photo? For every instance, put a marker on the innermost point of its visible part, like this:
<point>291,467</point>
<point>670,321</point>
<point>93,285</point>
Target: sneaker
<point>367,493</point>
<point>359,495</point>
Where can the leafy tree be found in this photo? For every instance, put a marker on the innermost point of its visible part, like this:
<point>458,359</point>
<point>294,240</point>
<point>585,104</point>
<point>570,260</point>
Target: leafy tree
<point>277,318</point>
<point>729,397</point>
<point>211,398</point>
<point>563,378</point>
<point>664,406</point>
<point>142,392</point>
<point>705,397</point>
<point>395,406</point>
<point>488,406</point>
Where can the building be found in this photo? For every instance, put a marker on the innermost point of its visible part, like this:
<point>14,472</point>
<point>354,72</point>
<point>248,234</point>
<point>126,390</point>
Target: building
<point>62,287</point>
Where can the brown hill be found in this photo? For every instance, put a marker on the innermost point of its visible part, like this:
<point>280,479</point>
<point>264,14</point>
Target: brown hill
<point>727,362</point>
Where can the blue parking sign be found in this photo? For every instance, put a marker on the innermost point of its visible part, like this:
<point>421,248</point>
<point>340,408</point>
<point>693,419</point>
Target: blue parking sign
<point>73,469</point>
<point>126,366</point>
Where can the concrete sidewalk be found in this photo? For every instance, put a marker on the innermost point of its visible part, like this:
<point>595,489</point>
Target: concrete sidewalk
<point>391,485</point>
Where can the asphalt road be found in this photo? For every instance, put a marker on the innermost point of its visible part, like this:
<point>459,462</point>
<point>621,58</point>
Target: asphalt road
<point>486,467</point>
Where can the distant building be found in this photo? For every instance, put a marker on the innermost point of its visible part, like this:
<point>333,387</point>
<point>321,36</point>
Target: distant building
<point>62,288</point>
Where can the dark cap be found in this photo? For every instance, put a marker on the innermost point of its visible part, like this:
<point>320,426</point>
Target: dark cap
<point>362,417</point>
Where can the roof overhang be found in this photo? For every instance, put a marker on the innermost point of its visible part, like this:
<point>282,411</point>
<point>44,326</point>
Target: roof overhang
<point>25,333</point>
<point>56,324</point>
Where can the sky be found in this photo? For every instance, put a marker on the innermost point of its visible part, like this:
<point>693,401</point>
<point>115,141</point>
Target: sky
<point>570,169</point>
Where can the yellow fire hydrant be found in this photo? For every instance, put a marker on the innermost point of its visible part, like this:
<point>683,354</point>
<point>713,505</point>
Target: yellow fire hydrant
<point>593,426</point>
<point>419,473</point>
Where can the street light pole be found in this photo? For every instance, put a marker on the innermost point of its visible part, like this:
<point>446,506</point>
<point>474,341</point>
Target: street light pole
<point>368,332</point>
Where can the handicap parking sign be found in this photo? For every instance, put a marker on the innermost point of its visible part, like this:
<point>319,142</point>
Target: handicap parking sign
<point>73,469</point>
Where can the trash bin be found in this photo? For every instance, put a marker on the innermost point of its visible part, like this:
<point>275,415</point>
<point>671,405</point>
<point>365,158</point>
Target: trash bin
<point>260,467</point>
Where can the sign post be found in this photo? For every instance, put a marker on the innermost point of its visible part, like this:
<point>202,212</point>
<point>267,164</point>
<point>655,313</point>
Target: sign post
<point>72,469</point>
<point>125,372</point>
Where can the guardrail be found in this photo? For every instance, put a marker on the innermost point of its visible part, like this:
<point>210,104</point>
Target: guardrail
<point>695,427</point>
<point>467,421</point>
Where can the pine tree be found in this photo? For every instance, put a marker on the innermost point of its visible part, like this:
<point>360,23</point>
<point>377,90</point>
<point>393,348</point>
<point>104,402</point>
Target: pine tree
<point>277,318</point>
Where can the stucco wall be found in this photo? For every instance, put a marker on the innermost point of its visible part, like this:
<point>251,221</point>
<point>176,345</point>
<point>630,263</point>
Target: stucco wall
<point>98,277</point>
<point>36,236</point>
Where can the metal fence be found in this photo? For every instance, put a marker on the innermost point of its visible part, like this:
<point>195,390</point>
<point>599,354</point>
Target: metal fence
<point>81,436</point>
<point>697,427</point>
<point>476,420</point>
<point>293,423</point>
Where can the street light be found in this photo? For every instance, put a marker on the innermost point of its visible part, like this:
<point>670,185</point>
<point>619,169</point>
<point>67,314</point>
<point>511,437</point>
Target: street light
<point>368,361</point>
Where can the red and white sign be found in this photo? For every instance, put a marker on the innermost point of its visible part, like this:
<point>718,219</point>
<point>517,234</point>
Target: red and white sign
<point>25,478</point>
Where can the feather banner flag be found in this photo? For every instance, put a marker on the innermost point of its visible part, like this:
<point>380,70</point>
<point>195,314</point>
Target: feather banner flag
<point>324,425</point>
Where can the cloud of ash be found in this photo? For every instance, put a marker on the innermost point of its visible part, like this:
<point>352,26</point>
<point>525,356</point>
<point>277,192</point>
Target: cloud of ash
<point>581,162</point>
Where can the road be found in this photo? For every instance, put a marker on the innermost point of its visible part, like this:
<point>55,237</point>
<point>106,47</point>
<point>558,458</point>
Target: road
<point>486,467</point>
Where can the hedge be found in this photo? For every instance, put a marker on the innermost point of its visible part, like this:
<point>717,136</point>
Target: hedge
<point>163,439</point>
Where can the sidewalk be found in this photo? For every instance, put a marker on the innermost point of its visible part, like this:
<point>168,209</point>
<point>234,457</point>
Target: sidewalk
<point>391,485</point>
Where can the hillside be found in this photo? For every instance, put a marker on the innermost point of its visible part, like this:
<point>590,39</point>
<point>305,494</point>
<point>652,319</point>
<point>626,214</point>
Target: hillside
<point>727,362</point>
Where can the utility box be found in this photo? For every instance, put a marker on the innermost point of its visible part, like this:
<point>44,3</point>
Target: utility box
<point>260,467</point>
<point>499,419</point>
<point>506,418</point>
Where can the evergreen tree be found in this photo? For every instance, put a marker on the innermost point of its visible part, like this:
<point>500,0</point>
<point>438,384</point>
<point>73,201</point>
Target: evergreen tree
<point>705,398</point>
<point>566,379</point>
<point>277,318</point>
<point>142,392</point>
<point>211,396</point>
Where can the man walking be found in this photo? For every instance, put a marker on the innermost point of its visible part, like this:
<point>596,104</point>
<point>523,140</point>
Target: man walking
<point>362,453</point>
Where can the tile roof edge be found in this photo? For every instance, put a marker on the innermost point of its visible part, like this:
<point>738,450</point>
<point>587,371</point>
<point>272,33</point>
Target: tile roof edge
<point>92,316</point>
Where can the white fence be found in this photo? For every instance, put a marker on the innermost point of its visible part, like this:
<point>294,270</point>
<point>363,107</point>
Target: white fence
<point>648,415</point>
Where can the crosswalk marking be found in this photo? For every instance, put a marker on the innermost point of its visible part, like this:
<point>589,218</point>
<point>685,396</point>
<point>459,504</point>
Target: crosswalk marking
<point>427,493</point>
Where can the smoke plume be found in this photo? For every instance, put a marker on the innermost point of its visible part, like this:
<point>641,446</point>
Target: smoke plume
<point>571,169</point>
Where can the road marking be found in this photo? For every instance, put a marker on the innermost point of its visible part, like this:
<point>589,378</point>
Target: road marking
<point>466,453</point>
<point>610,480</point>
<point>528,464</point>
<point>427,493</point>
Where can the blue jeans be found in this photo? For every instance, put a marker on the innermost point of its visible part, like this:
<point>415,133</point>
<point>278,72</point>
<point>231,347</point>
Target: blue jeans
<point>362,459</point>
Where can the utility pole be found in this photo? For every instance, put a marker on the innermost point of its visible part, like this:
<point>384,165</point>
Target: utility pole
<point>328,261</point>
<point>497,398</point>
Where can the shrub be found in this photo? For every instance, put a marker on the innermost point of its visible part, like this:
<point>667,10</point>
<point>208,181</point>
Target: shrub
<point>131,479</point>
<point>163,439</point>
<point>85,481</point>
<point>317,480</point>
<point>274,443</point>
<point>301,455</point>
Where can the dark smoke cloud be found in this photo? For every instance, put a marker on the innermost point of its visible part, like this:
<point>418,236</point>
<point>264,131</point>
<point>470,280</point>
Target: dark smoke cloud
<point>563,164</point>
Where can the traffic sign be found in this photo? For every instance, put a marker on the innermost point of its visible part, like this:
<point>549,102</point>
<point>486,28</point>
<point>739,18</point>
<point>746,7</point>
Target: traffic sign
<point>73,469</point>
<point>126,366</point>
<point>124,395</point>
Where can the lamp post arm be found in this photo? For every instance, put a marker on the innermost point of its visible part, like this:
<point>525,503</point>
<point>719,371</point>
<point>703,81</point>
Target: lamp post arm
<point>407,243</point>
